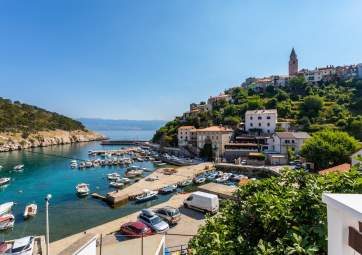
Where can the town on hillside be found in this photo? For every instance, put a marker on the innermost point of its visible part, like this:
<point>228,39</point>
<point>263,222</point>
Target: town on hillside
<point>262,139</point>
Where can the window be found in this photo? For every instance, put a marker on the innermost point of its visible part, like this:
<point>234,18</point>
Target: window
<point>251,124</point>
<point>259,124</point>
<point>268,117</point>
<point>292,141</point>
<point>259,118</point>
<point>268,124</point>
<point>268,131</point>
<point>251,117</point>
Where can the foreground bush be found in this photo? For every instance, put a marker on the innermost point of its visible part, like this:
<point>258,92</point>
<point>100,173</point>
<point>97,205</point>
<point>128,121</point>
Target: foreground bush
<point>278,215</point>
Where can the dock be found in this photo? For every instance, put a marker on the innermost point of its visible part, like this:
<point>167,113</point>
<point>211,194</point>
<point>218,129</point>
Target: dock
<point>117,152</point>
<point>183,173</point>
<point>124,142</point>
<point>221,190</point>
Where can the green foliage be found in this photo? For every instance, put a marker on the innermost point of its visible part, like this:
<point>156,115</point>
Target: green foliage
<point>311,106</point>
<point>328,148</point>
<point>278,215</point>
<point>24,118</point>
<point>333,105</point>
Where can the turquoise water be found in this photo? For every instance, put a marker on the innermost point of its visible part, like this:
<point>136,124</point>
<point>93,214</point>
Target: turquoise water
<point>45,174</point>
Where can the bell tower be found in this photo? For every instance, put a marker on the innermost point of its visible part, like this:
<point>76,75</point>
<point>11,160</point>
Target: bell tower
<point>293,63</point>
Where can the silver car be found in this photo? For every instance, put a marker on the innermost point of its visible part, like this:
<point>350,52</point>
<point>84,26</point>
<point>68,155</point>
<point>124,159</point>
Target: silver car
<point>152,220</point>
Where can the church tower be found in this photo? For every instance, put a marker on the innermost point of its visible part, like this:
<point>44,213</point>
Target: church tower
<point>293,63</point>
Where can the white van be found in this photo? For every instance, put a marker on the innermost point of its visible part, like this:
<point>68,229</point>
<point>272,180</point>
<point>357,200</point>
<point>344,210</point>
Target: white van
<point>202,201</point>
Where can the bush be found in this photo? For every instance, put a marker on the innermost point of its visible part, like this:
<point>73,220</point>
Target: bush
<point>278,215</point>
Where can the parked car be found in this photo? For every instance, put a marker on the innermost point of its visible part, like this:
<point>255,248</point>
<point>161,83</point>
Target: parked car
<point>170,214</point>
<point>23,246</point>
<point>202,201</point>
<point>153,221</point>
<point>135,229</point>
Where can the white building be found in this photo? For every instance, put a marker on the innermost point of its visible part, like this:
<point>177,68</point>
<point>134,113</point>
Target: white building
<point>185,135</point>
<point>264,120</point>
<point>344,216</point>
<point>218,136</point>
<point>282,141</point>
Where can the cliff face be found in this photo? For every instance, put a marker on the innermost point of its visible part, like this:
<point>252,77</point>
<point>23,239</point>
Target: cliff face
<point>15,141</point>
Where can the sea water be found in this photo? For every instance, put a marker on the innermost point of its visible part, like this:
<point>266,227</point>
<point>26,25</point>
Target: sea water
<point>47,171</point>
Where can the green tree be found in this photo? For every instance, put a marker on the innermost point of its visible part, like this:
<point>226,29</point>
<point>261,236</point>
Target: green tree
<point>311,106</point>
<point>328,148</point>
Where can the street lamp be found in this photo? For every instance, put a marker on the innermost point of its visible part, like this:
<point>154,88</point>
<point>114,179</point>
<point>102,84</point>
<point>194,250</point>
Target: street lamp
<point>47,198</point>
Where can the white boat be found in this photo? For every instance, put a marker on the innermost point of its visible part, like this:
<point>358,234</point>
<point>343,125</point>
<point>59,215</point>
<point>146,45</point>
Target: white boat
<point>199,180</point>
<point>124,180</point>
<point>4,181</point>
<point>88,164</point>
<point>30,211</point>
<point>73,164</point>
<point>185,183</point>
<point>6,207</point>
<point>117,185</point>
<point>7,221</point>
<point>222,179</point>
<point>19,167</point>
<point>113,176</point>
<point>22,246</point>
<point>146,196</point>
<point>82,189</point>
<point>133,173</point>
<point>81,165</point>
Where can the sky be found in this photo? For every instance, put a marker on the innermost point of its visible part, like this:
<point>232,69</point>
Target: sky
<point>149,59</point>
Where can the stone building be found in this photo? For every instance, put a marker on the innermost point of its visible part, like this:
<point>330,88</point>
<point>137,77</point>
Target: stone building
<point>293,63</point>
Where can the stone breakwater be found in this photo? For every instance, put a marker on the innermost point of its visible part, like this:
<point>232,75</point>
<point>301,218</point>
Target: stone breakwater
<point>17,141</point>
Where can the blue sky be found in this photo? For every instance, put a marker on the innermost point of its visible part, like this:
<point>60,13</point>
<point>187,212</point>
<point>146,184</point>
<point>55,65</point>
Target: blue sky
<point>148,59</point>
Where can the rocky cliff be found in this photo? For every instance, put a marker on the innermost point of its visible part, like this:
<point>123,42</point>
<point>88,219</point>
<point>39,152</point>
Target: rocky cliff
<point>17,141</point>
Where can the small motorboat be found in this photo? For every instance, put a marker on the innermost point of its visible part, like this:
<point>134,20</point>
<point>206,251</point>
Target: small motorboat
<point>73,164</point>
<point>222,179</point>
<point>30,211</point>
<point>161,164</point>
<point>4,181</point>
<point>19,167</point>
<point>146,196</point>
<point>133,173</point>
<point>88,164</point>
<point>124,180</point>
<point>6,207</point>
<point>82,189</point>
<point>117,185</point>
<point>211,177</point>
<point>152,178</point>
<point>82,165</point>
<point>185,183</point>
<point>113,176</point>
<point>199,180</point>
<point>168,189</point>
<point>7,221</point>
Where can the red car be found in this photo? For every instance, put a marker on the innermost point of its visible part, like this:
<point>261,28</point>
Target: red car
<point>135,229</point>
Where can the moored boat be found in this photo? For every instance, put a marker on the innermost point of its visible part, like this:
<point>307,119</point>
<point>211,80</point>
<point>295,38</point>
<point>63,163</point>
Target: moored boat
<point>113,176</point>
<point>19,167</point>
<point>6,207</point>
<point>7,221</point>
<point>199,180</point>
<point>146,196</point>
<point>30,211</point>
<point>82,165</point>
<point>88,164</point>
<point>4,181</point>
<point>117,185</point>
<point>73,164</point>
<point>133,173</point>
<point>168,189</point>
<point>185,183</point>
<point>82,189</point>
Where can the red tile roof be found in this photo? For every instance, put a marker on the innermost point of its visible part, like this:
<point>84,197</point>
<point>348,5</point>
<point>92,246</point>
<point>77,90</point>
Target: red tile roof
<point>215,129</point>
<point>340,169</point>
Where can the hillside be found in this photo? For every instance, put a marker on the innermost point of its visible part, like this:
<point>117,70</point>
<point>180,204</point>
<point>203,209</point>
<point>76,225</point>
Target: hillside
<point>24,126</point>
<point>335,104</point>
<point>26,119</point>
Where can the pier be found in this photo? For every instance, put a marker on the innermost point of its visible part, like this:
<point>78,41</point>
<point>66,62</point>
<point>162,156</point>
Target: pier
<point>114,198</point>
<point>124,142</point>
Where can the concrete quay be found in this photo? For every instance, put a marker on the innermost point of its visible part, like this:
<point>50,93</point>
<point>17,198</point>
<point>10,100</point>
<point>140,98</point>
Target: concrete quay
<point>183,173</point>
